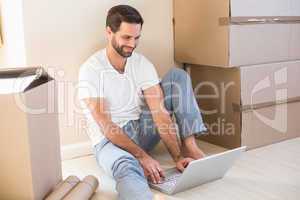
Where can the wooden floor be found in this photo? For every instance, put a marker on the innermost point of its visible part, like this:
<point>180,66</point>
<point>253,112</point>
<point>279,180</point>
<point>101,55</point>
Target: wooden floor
<point>267,173</point>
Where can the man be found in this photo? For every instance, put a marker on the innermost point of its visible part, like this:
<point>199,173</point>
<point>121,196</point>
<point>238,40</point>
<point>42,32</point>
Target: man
<point>130,108</point>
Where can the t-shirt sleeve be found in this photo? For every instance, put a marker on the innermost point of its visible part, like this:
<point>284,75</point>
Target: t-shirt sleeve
<point>89,83</point>
<point>148,75</point>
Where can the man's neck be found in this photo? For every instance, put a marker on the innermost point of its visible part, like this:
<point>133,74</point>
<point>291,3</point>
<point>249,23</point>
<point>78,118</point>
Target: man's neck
<point>117,61</point>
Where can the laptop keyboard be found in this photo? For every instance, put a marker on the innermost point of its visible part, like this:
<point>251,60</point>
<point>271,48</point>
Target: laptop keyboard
<point>169,182</point>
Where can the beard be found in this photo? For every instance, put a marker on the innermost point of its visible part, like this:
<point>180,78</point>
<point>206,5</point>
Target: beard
<point>120,49</point>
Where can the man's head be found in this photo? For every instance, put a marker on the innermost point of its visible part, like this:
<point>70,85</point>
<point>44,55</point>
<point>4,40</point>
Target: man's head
<point>123,27</point>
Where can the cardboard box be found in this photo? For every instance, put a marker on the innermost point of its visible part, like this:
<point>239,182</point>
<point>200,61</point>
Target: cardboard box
<point>29,135</point>
<point>270,124</point>
<point>252,106</point>
<point>233,33</point>
<point>264,8</point>
<point>261,84</point>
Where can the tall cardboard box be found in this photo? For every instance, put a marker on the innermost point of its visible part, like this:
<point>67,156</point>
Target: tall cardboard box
<point>29,135</point>
<point>234,33</point>
<point>253,106</point>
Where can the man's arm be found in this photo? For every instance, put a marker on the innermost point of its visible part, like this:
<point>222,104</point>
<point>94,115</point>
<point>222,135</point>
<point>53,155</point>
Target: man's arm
<point>155,100</point>
<point>115,134</point>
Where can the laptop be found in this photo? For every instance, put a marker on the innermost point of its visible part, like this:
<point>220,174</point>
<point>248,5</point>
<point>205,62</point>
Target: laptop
<point>198,172</point>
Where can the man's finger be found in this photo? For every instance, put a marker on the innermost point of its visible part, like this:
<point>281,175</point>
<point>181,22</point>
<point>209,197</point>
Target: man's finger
<point>146,172</point>
<point>152,178</point>
<point>156,175</point>
<point>161,172</point>
<point>185,164</point>
<point>180,167</point>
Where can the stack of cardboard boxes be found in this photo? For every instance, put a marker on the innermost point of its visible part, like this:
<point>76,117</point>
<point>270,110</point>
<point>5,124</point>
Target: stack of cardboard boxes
<point>244,60</point>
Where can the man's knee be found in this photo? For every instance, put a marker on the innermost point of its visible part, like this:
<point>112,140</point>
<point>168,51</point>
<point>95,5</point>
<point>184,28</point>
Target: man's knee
<point>178,74</point>
<point>127,166</point>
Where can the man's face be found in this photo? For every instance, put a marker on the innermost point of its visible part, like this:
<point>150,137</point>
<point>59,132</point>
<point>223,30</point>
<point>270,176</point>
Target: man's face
<point>126,39</point>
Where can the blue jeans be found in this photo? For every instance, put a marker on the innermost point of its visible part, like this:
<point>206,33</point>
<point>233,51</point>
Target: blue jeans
<point>179,100</point>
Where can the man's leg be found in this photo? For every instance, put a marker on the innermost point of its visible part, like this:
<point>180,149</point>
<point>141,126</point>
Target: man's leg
<point>180,100</point>
<point>148,135</point>
<point>126,170</point>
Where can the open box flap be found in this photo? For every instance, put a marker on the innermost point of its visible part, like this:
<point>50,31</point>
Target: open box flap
<point>15,80</point>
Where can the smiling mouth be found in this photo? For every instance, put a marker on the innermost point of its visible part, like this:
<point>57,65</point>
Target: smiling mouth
<point>129,49</point>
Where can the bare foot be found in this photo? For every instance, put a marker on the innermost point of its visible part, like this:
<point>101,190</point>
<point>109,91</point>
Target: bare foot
<point>194,153</point>
<point>190,148</point>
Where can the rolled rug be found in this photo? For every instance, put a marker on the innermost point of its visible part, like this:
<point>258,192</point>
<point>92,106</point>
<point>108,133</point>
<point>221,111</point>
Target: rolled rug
<point>83,190</point>
<point>62,188</point>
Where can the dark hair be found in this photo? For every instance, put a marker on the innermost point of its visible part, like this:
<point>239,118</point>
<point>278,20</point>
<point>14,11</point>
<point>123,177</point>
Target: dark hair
<point>122,13</point>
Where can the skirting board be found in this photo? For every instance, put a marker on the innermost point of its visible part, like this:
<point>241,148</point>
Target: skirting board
<point>76,150</point>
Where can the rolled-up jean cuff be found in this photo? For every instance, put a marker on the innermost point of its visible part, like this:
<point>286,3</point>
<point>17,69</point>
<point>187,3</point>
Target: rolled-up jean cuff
<point>100,145</point>
<point>194,128</point>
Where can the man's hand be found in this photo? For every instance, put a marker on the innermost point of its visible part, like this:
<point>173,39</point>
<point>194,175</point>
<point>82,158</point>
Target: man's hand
<point>151,168</point>
<point>183,163</point>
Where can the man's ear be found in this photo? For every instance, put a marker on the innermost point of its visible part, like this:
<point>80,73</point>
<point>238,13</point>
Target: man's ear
<point>109,32</point>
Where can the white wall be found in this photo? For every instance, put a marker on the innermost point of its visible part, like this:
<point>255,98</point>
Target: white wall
<point>62,34</point>
<point>12,53</point>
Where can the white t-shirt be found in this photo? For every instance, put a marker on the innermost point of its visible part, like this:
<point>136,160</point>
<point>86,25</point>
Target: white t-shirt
<point>122,92</point>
